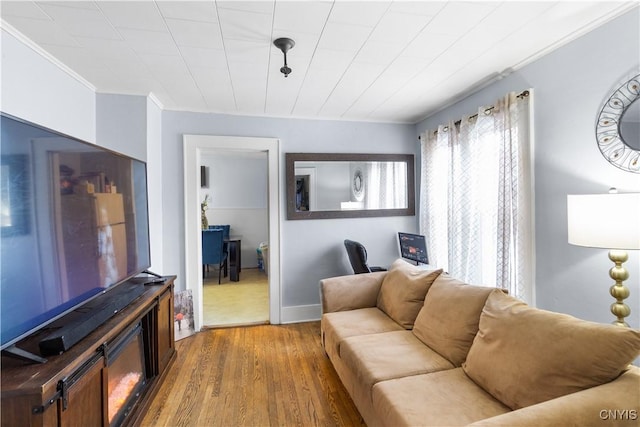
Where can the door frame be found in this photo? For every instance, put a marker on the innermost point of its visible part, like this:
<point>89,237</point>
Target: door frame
<point>193,147</point>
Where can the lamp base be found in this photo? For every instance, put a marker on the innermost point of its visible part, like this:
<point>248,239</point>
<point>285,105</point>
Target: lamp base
<point>618,290</point>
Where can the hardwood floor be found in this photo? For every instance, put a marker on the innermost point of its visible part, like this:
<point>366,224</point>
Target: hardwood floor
<point>267,375</point>
<point>236,303</point>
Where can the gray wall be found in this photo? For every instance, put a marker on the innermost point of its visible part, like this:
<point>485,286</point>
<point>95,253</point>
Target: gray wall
<point>37,90</point>
<point>121,124</point>
<point>310,249</point>
<point>570,84</point>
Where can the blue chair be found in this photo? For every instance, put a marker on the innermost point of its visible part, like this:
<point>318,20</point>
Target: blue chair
<point>213,251</point>
<point>227,230</point>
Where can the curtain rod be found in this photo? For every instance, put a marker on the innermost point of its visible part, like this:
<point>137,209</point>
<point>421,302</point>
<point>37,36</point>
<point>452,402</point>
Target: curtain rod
<point>522,94</point>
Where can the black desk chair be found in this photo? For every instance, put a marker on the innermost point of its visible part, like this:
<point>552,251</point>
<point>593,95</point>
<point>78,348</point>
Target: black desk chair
<point>358,258</point>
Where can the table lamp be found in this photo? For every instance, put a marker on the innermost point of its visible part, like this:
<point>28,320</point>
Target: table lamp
<point>610,221</point>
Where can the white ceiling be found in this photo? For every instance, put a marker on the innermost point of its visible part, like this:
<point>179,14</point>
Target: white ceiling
<point>393,61</point>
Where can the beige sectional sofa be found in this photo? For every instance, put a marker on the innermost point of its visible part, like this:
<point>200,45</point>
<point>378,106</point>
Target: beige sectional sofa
<point>417,347</point>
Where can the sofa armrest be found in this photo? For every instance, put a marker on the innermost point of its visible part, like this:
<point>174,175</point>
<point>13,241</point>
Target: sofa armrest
<point>350,292</point>
<point>613,404</point>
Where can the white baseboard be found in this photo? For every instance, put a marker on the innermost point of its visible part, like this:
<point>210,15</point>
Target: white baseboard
<point>301,313</point>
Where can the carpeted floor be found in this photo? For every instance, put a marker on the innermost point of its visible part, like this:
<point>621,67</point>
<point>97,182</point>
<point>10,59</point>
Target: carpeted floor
<point>236,303</point>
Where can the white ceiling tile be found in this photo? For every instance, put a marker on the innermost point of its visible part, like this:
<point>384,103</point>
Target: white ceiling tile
<point>401,60</point>
<point>204,58</point>
<point>399,27</point>
<point>306,16</point>
<point>133,14</point>
<point>283,91</point>
<point>501,18</point>
<point>116,50</point>
<point>242,25</point>
<point>151,42</point>
<point>355,81</point>
<point>74,57</point>
<point>457,18</point>
<point>392,79</point>
<point>133,69</point>
<point>195,34</point>
<point>164,65</point>
<point>332,60</point>
<point>189,10</point>
<point>185,92</point>
<point>429,45</point>
<point>88,5</point>
<point>378,52</point>
<point>247,76</point>
<point>427,8</point>
<point>102,77</point>
<point>215,85</point>
<point>22,9</point>
<point>497,25</point>
<point>41,31</point>
<point>262,6</point>
<point>250,52</point>
<point>136,35</point>
<point>344,37</point>
<point>318,84</point>
<point>81,22</point>
<point>350,12</point>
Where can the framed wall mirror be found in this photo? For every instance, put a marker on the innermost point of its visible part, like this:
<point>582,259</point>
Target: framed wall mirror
<point>330,185</point>
<point>618,126</point>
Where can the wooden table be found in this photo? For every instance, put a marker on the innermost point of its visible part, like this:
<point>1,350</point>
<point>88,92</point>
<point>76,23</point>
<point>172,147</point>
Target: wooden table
<point>234,257</point>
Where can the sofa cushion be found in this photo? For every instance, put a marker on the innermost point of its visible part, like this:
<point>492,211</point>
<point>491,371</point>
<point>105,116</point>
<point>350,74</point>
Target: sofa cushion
<point>597,406</point>
<point>448,322</point>
<point>350,292</point>
<point>342,324</point>
<point>444,398</point>
<point>523,355</point>
<point>378,357</point>
<point>403,290</point>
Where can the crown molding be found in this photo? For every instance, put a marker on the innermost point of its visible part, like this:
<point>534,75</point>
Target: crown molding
<point>44,54</point>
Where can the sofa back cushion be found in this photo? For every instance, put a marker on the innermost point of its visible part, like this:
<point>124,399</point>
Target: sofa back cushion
<point>403,290</point>
<point>523,355</point>
<point>448,322</point>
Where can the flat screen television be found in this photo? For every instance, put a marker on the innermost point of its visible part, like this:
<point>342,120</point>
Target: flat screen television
<point>413,247</point>
<point>73,225</point>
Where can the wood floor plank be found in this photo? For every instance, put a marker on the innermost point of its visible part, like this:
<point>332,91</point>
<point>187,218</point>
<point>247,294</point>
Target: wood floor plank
<point>266,375</point>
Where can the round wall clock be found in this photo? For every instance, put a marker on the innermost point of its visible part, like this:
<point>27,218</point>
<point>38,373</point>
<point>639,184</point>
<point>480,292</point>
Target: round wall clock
<point>618,127</point>
<point>358,185</point>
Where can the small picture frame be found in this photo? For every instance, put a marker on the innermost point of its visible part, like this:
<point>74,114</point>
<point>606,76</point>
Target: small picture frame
<point>183,314</point>
<point>204,177</point>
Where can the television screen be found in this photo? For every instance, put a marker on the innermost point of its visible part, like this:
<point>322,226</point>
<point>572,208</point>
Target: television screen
<point>73,224</point>
<point>413,247</point>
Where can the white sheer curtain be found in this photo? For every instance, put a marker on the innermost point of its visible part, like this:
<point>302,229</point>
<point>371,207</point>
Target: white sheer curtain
<point>387,185</point>
<point>475,197</point>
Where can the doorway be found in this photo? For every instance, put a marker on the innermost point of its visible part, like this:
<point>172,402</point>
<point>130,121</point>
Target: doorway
<point>239,204</point>
<point>194,147</point>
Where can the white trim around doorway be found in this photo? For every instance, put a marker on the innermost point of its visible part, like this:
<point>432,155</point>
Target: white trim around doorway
<point>194,146</point>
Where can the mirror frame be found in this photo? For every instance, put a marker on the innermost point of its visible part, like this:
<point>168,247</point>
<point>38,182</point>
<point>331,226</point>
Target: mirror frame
<point>610,142</point>
<point>292,213</point>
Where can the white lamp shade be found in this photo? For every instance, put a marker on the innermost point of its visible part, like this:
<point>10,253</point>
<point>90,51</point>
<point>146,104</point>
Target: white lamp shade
<point>610,221</point>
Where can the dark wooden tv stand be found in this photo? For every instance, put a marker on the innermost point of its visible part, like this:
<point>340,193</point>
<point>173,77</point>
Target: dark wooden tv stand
<point>71,389</point>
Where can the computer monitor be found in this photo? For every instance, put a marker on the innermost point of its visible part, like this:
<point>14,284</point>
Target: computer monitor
<point>413,247</point>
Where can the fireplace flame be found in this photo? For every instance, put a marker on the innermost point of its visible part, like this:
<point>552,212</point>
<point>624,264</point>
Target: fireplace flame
<point>121,392</point>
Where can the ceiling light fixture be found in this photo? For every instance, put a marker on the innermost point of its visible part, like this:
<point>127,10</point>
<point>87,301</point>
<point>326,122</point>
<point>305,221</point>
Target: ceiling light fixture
<point>284,44</point>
